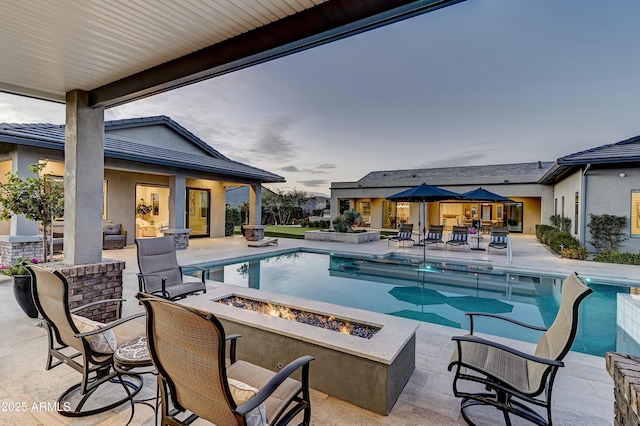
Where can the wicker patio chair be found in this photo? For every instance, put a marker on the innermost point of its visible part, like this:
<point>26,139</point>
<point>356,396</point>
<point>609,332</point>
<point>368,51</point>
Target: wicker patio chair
<point>113,236</point>
<point>513,378</point>
<point>404,234</point>
<point>499,238</point>
<point>188,349</point>
<point>159,270</point>
<point>84,345</point>
<point>459,236</point>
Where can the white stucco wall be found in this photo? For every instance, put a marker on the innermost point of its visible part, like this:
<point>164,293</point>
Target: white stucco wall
<point>567,188</point>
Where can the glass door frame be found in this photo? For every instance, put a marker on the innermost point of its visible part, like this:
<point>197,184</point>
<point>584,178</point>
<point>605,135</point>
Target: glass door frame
<point>193,207</point>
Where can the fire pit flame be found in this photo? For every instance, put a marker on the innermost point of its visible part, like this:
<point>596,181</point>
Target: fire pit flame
<point>328,322</point>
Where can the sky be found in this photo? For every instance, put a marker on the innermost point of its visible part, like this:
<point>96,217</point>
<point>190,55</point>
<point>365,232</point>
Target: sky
<point>481,82</point>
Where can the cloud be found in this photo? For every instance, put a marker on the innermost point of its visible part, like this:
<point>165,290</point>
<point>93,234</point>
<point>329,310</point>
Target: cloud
<point>326,166</point>
<point>290,169</point>
<point>470,157</point>
<point>313,182</point>
<point>271,143</point>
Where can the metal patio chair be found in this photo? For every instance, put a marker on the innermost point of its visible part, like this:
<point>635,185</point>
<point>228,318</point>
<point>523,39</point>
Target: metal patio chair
<point>405,233</point>
<point>86,346</point>
<point>188,349</point>
<point>499,238</point>
<point>159,270</point>
<point>459,236</point>
<point>434,236</point>
<point>515,379</point>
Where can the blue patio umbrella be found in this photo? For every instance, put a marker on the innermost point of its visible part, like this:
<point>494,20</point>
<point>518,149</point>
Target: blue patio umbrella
<point>481,194</point>
<point>424,194</point>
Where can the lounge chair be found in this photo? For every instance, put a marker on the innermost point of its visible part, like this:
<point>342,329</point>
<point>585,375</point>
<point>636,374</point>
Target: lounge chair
<point>159,270</point>
<point>404,234</point>
<point>499,238</point>
<point>434,236</point>
<point>515,379</point>
<point>188,348</point>
<point>459,236</point>
<point>263,242</point>
<point>86,346</point>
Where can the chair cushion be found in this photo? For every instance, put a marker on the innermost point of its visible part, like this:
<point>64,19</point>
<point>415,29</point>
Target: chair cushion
<point>404,235</point>
<point>241,393</point>
<point>499,239</point>
<point>434,236</point>
<point>111,229</point>
<point>116,237</point>
<point>459,237</point>
<point>104,343</point>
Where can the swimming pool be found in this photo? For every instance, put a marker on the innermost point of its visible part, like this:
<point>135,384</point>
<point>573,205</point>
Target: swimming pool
<point>435,292</point>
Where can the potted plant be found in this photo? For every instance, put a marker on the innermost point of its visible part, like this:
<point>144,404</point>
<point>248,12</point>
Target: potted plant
<point>143,209</point>
<point>22,284</point>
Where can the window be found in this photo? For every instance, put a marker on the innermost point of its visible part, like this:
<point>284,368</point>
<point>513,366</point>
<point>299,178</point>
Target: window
<point>555,206</point>
<point>563,206</point>
<point>635,213</point>
<point>575,214</point>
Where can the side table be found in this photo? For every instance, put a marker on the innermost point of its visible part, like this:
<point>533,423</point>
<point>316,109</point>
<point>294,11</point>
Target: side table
<point>132,357</point>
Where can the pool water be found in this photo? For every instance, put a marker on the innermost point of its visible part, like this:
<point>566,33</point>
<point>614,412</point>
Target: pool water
<point>434,292</point>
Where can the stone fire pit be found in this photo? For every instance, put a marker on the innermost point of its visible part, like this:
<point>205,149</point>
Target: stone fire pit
<point>368,372</point>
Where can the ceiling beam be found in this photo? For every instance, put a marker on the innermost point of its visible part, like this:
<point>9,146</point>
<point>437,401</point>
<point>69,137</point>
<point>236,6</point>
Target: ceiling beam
<point>329,21</point>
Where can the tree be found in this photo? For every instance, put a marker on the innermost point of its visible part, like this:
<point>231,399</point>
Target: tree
<point>39,198</point>
<point>284,205</point>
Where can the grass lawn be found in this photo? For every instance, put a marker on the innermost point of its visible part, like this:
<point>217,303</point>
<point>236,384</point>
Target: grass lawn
<point>283,231</point>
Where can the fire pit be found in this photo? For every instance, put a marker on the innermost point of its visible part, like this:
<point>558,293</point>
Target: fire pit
<point>369,368</point>
<point>328,322</point>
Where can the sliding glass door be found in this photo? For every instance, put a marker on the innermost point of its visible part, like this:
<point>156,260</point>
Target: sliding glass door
<point>198,204</point>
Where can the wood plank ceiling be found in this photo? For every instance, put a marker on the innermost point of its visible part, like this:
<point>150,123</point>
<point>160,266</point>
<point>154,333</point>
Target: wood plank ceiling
<point>122,50</point>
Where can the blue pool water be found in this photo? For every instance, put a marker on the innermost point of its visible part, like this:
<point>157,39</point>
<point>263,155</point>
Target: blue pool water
<point>434,292</point>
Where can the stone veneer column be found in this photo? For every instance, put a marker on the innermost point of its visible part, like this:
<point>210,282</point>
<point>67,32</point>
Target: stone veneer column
<point>92,283</point>
<point>625,372</point>
<point>180,236</point>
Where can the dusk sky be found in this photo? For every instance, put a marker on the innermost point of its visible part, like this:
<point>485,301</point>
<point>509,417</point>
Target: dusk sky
<point>481,82</point>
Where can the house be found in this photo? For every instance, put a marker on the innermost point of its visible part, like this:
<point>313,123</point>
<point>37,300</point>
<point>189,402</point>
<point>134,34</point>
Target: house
<point>605,179</point>
<point>151,160</point>
<point>531,201</point>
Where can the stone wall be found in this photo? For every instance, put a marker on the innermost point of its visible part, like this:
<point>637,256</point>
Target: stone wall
<point>180,236</point>
<point>625,371</point>
<point>94,282</point>
<point>10,251</point>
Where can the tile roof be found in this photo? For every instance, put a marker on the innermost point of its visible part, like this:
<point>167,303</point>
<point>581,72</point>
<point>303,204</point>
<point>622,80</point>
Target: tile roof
<point>536,169</point>
<point>52,136</point>
<point>624,151</point>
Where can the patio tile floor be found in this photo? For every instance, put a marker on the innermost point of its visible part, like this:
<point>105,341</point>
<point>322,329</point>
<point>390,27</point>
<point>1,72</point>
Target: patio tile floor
<point>583,392</point>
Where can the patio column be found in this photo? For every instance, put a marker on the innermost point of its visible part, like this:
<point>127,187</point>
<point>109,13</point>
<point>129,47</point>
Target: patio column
<point>20,162</point>
<point>84,175</point>
<point>255,205</point>
<point>177,196</point>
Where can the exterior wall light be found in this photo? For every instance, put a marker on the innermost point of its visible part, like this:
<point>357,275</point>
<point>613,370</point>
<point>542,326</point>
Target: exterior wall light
<point>623,174</point>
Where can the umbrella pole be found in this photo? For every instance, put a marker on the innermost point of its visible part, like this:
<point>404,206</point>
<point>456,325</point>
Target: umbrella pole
<point>424,232</point>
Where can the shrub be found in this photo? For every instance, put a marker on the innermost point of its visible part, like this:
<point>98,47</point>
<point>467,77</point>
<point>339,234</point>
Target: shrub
<point>606,231</point>
<point>542,231</point>
<point>556,239</point>
<point>304,223</point>
<point>625,258</point>
<point>579,253</point>
<point>339,224</point>
<point>563,224</point>
<point>228,228</point>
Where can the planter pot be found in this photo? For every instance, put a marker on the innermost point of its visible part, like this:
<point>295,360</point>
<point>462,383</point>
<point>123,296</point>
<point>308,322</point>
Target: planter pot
<point>23,295</point>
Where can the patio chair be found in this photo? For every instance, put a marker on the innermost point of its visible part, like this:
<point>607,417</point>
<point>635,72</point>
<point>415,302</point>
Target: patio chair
<point>404,234</point>
<point>86,346</point>
<point>513,378</point>
<point>459,236</point>
<point>434,236</point>
<point>499,238</point>
<point>160,273</point>
<point>113,236</point>
<point>188,348</point>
